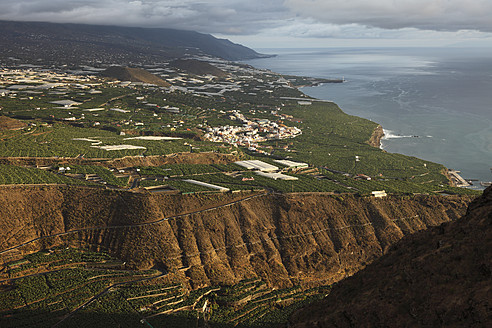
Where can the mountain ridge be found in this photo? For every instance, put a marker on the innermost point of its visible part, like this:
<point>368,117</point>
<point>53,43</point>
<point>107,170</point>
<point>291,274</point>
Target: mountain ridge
<point>71,44</point>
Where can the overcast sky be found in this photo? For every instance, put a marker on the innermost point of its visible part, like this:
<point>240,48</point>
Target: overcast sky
<point>282,23</point>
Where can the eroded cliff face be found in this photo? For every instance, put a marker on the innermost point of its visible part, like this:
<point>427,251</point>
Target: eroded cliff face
<point>218,238</point>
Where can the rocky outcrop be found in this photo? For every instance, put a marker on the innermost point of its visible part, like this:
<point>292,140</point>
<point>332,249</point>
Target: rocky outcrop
<point>435,278</point>
<point>220,238</point>
<point>377,135</point>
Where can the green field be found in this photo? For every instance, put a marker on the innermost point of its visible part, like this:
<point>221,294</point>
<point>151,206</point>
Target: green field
<point>10,174</point>
<point>58,141</point>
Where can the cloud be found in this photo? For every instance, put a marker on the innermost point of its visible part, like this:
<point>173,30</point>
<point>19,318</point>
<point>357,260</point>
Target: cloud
<point>310,28</point>
<point>269,19</point>
<point>439,15</point>
<point>212,16</point>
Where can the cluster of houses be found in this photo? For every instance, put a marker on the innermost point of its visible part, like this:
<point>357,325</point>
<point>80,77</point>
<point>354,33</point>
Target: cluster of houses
<point>251,132</point>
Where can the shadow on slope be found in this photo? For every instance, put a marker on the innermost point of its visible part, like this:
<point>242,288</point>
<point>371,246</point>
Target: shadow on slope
<point>434,278</point>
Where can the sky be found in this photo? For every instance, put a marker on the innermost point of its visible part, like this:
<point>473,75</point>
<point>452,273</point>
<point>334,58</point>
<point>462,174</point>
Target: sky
<point>283,23</point>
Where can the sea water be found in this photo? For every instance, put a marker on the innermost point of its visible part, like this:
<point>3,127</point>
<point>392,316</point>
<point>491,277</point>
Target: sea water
<point>433,103</point>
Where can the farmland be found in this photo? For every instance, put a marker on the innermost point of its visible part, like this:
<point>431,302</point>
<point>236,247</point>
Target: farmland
<point>61,140</point>
<point>105,120</point>
<point>70,287</point>
<point>331,183</point>
<point>10,174</point>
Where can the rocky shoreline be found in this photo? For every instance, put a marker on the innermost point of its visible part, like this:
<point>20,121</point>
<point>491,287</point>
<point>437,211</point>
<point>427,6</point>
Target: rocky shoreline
<point>377,135</point>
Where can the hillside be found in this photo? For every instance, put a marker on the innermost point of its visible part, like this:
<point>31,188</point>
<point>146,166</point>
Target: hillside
<point>436,278</point>
<point>7,123</point>
<point>133,75</point>
<point>74,44</point>
<point>197,67</point>
<point>219,238</point>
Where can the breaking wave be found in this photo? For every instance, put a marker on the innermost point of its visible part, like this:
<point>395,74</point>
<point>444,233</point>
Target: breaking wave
<point>388,134</point>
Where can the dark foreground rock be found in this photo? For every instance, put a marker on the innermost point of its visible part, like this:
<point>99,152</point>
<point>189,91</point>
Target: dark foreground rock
<point>440,277</point>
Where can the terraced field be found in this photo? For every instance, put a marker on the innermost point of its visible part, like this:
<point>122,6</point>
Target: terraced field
<point>69,287</point>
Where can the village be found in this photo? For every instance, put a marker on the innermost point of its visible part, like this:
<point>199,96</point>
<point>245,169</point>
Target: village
<point>251,132</point>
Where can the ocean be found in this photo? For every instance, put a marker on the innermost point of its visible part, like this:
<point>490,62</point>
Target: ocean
<point>433,103</point>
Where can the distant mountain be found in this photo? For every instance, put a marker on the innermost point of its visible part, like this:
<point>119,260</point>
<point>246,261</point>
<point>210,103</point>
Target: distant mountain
<point>440,277</point>
<point>133,75</point>
<point>89,44</point>
<point>197,67</point>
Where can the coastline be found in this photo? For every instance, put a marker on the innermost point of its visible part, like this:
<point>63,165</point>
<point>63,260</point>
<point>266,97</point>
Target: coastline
<point>388,91</point>
<point>453,176</point>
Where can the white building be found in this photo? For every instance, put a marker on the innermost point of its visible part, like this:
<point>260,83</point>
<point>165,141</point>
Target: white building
<point>208,185</point>
<point>276,176</point>
<point>291,164</point>
<point>257,165</point>
<point>379,193</point>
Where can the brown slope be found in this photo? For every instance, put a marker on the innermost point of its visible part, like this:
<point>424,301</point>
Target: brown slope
<point>197,67</point>
<point>7,123</point>
<point>153,160</point>
<point>133,75</point>
<point>284,239</point>
<point>436,278</point>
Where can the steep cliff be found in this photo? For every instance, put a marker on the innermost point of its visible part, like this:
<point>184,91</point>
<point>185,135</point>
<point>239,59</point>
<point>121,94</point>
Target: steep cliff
<point>435,278</point>
<point>220,238</point>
